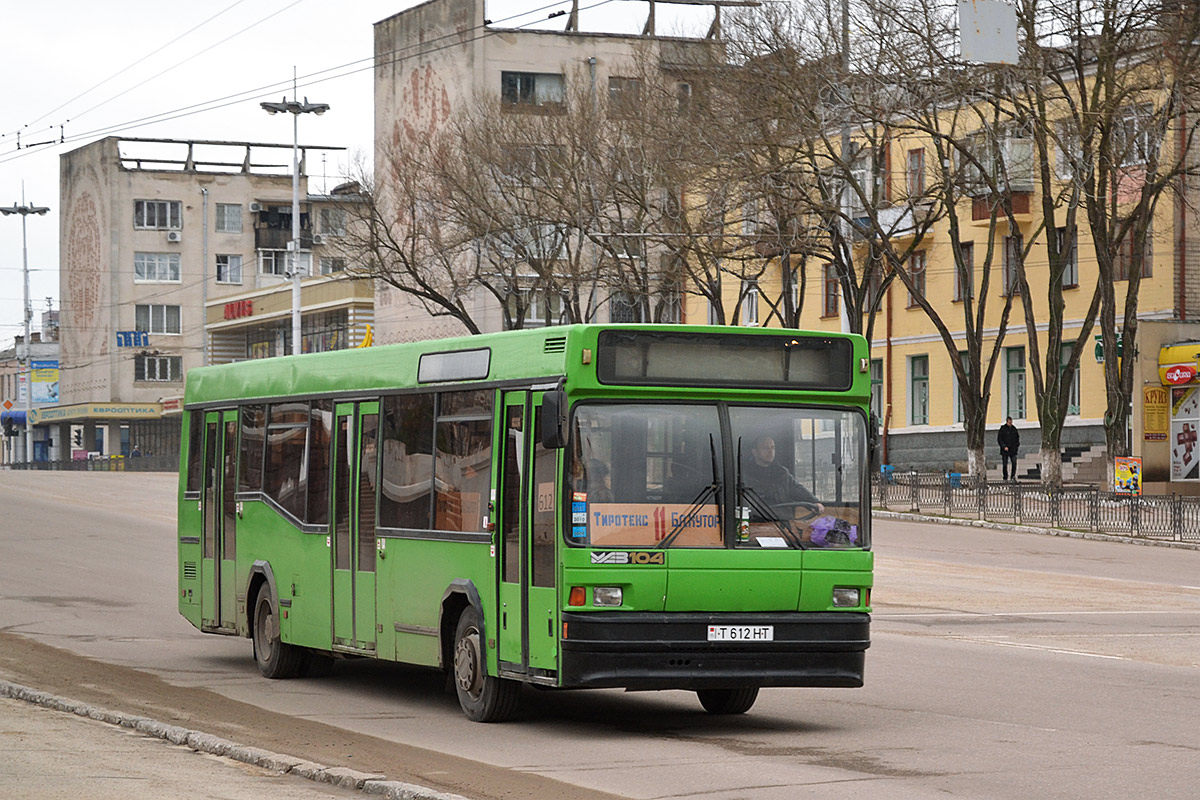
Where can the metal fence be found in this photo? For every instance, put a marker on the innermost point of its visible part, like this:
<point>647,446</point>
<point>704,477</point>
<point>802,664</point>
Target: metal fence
<point>1168,517</point>
<point>165,463</point>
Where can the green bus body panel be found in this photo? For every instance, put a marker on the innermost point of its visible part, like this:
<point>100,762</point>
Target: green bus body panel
<point>300,563</point>
<point>825,569</point>
<point>411,579</point>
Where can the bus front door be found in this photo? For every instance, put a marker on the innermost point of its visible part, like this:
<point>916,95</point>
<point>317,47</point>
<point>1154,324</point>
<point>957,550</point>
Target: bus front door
<point>527,540</point>
<point>354,474</point>
<point>218,595</point>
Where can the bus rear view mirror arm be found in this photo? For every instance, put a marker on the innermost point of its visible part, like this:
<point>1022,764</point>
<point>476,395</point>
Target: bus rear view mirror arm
<point>554,419</point>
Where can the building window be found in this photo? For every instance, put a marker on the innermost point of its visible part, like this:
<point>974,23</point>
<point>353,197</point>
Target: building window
<point>829,293</point>
<point>156,267</point>
<point>1123,265</point>
<point>624,307</point>
<point>964,272</point>
<point>669,309</point>
<point>1013,251</point>
<point>333,221</point>
<point>1014,382</point>
<point>683,96</point>
<point>624,96</point>
<point>965,358</point>
<point>320,333</point>
<point>1133,138</point>
<point>1070,273</point>
<point>156,319</point>
<point>541,308</point>
<point>275,262</point>
<point>229,269</point>
<point>536,89</point>
<point>749,303</point>
<point>159,215</point>
<point>1070,383</point>
<point>916,172</point>
<point>158,368</point>
<point>916,273</point>
<point>877,388</point>
<point>332,265</point>
<point>229,218</point>
<point>918,390</point>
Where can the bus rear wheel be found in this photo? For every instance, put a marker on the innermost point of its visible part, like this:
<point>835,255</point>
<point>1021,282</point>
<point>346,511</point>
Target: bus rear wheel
<point>483,697</point>
<point>728,701</point>
<point>275,658</point>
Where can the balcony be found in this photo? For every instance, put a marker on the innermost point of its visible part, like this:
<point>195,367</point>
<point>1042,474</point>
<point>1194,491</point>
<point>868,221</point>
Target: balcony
<point>981,208</point>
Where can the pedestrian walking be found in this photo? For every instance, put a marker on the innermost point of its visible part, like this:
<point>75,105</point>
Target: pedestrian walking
<point>1009,439</point>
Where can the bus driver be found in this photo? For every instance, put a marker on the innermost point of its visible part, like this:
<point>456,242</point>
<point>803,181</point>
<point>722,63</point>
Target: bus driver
<point>771,481</point>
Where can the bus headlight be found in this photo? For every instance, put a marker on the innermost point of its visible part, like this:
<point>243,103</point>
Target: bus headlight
<point>845,597</point>
<point>606,596</point>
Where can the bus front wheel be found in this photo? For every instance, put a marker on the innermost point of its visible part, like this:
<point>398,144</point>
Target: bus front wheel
<point>275,659</point>
<point>727,701</point>
<point>483,697</point>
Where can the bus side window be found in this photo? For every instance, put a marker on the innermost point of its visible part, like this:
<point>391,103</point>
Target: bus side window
<point>195,450</point>
<point>406,486</point>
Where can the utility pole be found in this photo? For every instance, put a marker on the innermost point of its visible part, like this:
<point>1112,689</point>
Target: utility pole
<point>295,108</point>
<point>25,211</point>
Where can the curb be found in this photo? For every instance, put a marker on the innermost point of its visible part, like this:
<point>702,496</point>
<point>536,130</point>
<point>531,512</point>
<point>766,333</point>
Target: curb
<point>373,784</point>
<point>906,516</point>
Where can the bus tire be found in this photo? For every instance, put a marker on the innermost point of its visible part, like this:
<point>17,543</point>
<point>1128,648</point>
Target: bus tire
<point>483,697</point>
<point>728,701</point>
<point>274,657</point>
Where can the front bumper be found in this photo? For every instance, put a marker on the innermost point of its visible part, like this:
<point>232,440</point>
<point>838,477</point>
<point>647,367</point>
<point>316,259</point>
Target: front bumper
<point>645,650</point>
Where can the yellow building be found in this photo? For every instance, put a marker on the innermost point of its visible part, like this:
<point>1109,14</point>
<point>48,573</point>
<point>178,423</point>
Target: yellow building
<point>916,393</point>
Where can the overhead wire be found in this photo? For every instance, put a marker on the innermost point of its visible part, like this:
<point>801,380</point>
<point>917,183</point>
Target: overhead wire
<point>311,79</point>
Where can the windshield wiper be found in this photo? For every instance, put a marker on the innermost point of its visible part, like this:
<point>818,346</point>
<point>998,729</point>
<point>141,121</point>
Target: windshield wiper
<point>764,509</point>
<point>712,490</point>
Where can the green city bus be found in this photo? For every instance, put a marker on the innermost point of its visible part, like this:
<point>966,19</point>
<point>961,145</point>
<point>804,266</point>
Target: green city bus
<point>633,506</point>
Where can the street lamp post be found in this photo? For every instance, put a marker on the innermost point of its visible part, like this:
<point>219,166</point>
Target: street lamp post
<point>25,211</point>
<point>295,108</point>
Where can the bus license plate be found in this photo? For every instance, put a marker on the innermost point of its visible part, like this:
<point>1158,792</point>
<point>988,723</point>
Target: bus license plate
<point>741,633</point>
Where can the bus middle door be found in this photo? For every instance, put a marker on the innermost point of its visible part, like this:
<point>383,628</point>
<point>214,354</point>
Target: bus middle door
<point>218,594</point>
<point>354,466</point>
<point>527,541</point>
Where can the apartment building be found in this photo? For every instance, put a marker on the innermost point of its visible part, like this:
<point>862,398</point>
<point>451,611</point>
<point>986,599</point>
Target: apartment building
<point>175,254</point>
<point>437,58</point>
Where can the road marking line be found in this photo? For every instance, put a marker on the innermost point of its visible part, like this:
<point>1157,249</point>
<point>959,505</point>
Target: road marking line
<point>1041,647</point>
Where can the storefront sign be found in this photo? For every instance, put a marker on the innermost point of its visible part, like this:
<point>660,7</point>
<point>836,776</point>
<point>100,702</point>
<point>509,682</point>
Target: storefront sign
<point>1127,475</point>
<point>239,309</point>
<point>1177,374</point>
<point>1179,364</point>
<point>1156,418</point>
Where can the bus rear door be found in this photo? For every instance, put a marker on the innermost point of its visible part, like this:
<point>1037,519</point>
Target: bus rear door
<point>527,493</point>
<point>218,603</point>
<point>354,467</point>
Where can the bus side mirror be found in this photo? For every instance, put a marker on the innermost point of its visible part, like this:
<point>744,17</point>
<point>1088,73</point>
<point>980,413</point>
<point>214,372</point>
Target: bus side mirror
<point>872,440</point>
<point>554,420</point>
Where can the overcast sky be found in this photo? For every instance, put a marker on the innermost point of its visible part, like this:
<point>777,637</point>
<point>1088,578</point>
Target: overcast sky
<point>104,68</point>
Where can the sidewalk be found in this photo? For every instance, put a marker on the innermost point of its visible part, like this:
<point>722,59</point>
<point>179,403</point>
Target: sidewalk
<point>52,748</point>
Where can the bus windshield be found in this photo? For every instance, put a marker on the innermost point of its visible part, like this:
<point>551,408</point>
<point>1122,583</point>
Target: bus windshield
<point>703,475</point>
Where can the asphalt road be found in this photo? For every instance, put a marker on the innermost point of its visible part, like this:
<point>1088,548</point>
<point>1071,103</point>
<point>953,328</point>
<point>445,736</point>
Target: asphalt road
<point>1003,665</point>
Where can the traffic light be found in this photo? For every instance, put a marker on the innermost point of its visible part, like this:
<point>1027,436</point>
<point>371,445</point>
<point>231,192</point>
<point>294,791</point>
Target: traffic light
<point>9,428</point>
<point>77,436</point>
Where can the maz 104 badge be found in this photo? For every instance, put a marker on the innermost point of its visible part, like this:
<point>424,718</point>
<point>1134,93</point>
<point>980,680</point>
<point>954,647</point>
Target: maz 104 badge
<point>626,557</point>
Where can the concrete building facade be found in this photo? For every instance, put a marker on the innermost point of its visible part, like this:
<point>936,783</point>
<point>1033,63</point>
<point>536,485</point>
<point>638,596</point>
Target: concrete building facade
<point>155,235</point>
